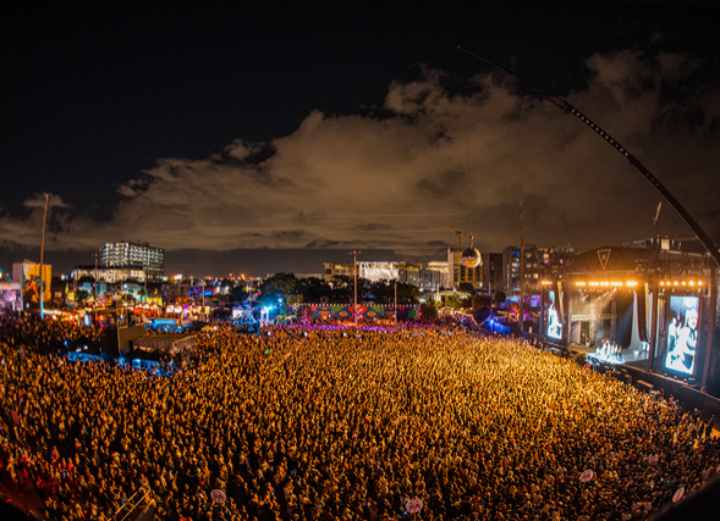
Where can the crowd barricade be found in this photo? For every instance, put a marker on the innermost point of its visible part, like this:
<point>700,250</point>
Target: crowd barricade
<point>139,507</point>
<point>689,396</point>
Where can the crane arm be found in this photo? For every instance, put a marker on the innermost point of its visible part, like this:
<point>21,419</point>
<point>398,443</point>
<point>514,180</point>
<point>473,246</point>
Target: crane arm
<point>458,233</point>
<point>563,105</point>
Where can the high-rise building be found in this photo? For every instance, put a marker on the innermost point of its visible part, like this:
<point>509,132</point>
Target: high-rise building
<point>135,257</point>
<point>511,269</point>
<point>553,261</point>
<point>493,272</point>
<point>540,263</point>
<point>462,274</point>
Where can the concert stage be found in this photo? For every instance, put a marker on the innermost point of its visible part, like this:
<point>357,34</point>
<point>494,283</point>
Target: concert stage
<point>659,305</point>
<point>632,357</point>
<point>170,343</point>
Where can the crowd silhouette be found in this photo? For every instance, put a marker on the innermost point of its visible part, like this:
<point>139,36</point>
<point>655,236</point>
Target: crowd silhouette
<point>311,424</point>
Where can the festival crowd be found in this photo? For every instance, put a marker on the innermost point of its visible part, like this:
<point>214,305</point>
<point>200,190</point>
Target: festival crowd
<point>314,425</point>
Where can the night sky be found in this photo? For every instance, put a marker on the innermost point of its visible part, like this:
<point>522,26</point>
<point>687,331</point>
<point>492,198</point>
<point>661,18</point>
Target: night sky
<point>271,137</point>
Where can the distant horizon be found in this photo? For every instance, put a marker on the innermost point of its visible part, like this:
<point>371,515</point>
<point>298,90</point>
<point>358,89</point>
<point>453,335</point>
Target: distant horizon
<point>259,262</point>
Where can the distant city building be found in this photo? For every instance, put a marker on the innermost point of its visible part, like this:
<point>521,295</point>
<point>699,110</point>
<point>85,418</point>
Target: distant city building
<point>511,270</point>
<point>540,263</point>
<point>553,261</point>
<point>434,275</point>
<point>655,243</point>
<point>133,256</point>
<point>493,272</point>
<point>462,274</point>
<point>374,271</point>
<point>410,273</point>
<point>338,269</point>
<point>309,276</point>
<point>122,261</point>
<point>111,275</point>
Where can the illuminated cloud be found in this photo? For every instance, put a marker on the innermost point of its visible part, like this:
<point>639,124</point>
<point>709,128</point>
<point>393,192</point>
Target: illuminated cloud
<point>429,156</point>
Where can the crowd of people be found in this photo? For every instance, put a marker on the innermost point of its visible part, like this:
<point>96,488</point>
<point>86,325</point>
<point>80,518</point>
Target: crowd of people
<point>44,336</point>
<point>321,425</point>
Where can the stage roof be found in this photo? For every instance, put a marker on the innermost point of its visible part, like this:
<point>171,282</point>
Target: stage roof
<point>603,261</point>
<point>610,259</point>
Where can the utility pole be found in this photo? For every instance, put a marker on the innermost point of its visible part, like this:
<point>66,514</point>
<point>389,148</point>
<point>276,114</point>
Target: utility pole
<point>40,281</point>
<point>522,271</point>
<point>96,288</point>
<point>355,253</point>
<point>395,314</point>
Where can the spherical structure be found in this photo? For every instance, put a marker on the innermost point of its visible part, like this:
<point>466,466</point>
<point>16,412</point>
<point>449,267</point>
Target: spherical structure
<point>471,258</point>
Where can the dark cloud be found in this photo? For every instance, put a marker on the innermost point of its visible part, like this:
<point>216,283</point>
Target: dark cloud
<point>444,183</point>
<point>372,181</point>
<point>373,227</point>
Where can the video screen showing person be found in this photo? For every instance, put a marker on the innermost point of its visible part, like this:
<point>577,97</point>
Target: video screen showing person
<point>682,334</point>
<point>554,329</point>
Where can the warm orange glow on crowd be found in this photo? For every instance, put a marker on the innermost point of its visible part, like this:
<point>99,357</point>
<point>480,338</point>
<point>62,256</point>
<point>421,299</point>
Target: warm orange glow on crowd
<point>333,427</point>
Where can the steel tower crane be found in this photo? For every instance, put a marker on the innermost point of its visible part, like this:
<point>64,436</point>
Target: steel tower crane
<point>458,233</point>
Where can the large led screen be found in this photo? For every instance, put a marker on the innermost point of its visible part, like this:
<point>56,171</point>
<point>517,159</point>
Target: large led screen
<point>682,334</point>
<point>554,329</point>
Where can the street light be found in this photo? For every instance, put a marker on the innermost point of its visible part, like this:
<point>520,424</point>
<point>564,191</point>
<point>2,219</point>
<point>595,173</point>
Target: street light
<point>96,288</point>
<point>355,253</point>
<point>40,281</point>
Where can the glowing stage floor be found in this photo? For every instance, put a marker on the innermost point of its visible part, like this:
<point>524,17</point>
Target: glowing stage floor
<point>629,356</point>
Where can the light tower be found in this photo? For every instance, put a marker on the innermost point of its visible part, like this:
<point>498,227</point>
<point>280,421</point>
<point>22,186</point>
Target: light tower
<point>355,253</point>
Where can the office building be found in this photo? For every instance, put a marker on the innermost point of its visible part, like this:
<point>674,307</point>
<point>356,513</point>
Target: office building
<point>540,264</point>
<point>432,276</point>
<point>493,272</point>
<point>130,258</point>
<point>462,274</point>
<point>511,270</point>
<point>374,271</point>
